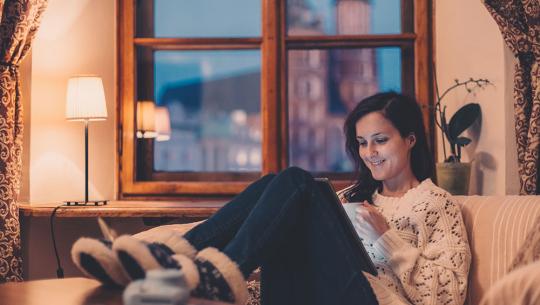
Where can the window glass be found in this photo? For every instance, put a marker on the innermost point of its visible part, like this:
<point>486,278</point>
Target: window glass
<point>343,17</point>
<point>201,18</point>
<point>321,95</point>
<point>213,102</point>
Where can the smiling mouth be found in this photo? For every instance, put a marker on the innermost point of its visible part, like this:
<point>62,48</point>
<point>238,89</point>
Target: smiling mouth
<point>376,163</point>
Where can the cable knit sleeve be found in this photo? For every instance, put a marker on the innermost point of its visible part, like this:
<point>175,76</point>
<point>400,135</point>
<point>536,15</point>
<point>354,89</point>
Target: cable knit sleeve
<point>433,269</point>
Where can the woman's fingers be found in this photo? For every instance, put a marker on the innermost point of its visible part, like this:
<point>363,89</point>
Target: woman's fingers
<point>361,213</point>
<point>371,223</point>
<point>366,212</point>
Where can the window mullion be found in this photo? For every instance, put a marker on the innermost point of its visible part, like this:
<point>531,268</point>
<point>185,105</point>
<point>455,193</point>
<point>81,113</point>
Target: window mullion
<point>270,87</point>
<point>144,24</point>
<point>198,43</point>
<point>126,83</point>
<point>366,39</point>
<point>423,61</point>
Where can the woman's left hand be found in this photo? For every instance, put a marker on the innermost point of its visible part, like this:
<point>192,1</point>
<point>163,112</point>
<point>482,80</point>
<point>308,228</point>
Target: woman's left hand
<point>370,223</point>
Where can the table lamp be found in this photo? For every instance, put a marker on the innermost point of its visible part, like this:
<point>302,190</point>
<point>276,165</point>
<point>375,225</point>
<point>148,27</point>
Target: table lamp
<point>146,120</point>
<point>163,124</point>
<point>85,102</point>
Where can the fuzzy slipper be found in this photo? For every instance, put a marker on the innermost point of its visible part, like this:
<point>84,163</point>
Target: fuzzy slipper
<point>137,256</point>
<point>171,238</point>
<point>95,258</point>
<point>214,276</point>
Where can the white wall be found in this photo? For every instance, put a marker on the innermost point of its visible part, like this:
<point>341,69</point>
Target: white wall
<point>26,85</point>
<point>75,37</point>
<point>511,175</point>
<point>469,44</point>
<point>38,256</point>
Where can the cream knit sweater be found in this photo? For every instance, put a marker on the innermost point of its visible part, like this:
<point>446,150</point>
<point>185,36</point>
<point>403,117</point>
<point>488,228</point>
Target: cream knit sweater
<point>424,258</point>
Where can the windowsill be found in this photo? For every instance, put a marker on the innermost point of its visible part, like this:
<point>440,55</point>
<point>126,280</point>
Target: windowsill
<point>187,209</point>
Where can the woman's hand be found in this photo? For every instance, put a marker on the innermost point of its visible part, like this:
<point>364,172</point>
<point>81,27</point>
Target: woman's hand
<point>370,223</point>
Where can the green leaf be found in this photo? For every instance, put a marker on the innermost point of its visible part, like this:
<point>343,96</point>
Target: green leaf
<point>463,141</point>
<point>463,119</point>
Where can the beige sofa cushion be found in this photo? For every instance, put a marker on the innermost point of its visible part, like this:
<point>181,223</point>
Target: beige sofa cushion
<point>496,227</point>
<point>520,286</point>
<point>530,250</point>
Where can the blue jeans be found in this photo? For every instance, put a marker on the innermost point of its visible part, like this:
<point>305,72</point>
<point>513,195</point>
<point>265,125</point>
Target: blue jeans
<point>281,223</point>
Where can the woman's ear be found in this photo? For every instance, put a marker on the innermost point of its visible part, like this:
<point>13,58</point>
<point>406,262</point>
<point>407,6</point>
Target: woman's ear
<point>411,139</point>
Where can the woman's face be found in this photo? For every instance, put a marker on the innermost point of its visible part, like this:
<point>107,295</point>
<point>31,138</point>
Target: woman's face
<point>385,153</point>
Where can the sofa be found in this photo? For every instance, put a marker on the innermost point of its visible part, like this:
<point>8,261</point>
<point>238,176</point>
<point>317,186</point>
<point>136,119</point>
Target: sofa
<point>496,228</point>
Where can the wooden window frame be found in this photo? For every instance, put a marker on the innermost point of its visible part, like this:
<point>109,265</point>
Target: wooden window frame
<point>273,44</point>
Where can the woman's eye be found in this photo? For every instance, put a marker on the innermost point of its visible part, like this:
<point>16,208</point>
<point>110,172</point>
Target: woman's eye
<point>362,143</point>
<point>381,141</point>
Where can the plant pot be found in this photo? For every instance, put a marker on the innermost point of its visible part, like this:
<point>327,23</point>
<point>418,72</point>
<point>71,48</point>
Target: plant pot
<point>454,177</point>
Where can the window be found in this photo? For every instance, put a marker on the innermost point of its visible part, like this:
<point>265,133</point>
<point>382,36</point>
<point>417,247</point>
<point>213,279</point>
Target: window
<point>209,100</point>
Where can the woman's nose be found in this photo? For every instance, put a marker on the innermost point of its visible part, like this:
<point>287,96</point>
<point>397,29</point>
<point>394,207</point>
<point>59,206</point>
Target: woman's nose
<point>372,152</point>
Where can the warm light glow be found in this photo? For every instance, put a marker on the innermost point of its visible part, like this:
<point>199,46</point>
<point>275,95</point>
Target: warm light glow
<point>239,117</point>
<point>85,99</point>
<point>146,119</point>
<point>241,158</point>
<point>163,124</point>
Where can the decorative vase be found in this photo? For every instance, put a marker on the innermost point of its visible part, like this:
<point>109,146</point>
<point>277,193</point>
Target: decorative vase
<point>454,177</point>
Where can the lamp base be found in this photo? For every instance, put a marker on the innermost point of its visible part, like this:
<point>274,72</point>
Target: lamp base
<point>90,202</point>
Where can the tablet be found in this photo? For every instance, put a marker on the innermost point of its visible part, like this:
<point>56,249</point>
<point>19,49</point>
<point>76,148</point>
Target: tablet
<point>328,191</point>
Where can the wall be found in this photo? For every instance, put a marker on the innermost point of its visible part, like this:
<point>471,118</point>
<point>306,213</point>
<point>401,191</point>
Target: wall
<point>469,44</point>
<point>26,85</point>
<point>39,261</point>
<point>511,175</point>
<point>76,37</point>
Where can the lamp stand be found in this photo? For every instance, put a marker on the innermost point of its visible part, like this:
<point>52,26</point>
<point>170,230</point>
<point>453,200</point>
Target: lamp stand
<point>85,161</point>
<point>86,201</point>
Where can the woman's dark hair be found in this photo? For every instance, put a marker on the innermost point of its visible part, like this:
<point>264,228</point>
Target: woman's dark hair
<point>405,114</point>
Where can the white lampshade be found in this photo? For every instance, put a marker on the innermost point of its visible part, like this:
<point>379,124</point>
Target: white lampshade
<point>146,119</point>
<point>85,99</point>
<point>163,124</point>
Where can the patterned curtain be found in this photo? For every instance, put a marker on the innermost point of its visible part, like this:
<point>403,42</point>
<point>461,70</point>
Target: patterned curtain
<point>19,23</point>
<point>519,22</point>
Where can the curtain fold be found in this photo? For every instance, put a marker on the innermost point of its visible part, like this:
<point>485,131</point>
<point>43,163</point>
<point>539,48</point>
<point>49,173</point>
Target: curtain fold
<point>19,22</point>
<point>519,22</point>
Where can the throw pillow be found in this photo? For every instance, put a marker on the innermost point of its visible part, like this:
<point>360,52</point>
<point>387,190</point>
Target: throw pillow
<point>518,287</point>
<point>530,250</point>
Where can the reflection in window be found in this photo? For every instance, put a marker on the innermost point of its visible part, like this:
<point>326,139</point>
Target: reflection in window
<point>314,87</point>
<point>326,93</point>
<point>213,98</point>
<point>314,58</point>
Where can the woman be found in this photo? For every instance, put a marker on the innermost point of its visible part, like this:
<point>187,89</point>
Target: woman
<point>412,229</point>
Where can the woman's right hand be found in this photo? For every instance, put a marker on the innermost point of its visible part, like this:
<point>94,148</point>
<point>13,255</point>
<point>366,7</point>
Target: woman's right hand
<point>370,223</point>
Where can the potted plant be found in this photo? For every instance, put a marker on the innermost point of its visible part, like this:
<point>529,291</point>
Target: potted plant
<point>452,174</point>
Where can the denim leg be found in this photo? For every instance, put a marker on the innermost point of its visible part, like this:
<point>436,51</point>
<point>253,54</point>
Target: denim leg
<point>221,227</point>
<point>319,267</point>
<point>298,240</point>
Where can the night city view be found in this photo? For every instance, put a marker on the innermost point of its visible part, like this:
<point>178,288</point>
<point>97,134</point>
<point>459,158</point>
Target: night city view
<point>213,97</point>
